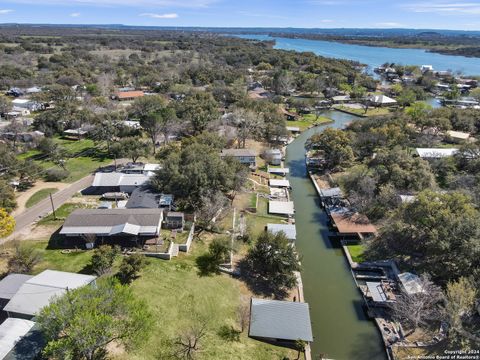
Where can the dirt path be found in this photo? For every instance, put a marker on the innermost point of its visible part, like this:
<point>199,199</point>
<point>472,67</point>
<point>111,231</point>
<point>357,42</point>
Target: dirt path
<point>23,196</point>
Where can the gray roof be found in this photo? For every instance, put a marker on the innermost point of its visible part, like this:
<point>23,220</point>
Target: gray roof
<point>331,192</point>
<point>11,331</point>
<point>175,214</point>
<point>289,229</point>
<point>281,207</point>
<point>118,179</point>
<point>107,222</point>
<point>238,152</point>
<point>10,284</point>
<point>38,291</point>
<point>143,198</point>
<point>284,320</point>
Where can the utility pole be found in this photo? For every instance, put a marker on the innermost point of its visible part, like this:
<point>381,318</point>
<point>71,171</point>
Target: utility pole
<point>53,207</point>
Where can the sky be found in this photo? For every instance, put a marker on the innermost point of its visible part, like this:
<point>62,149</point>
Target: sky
<point>420,14</point>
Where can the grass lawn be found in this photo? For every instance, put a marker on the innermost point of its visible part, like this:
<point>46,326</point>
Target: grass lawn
<point>361,112</point>
<point>39,196</point>
<point>61,213</point>
<point>176,295</point>
<point>53,259</point>
<point>356,252</point>
<point>308,120</point>
<point>257,222</point>
<point>78,166</point>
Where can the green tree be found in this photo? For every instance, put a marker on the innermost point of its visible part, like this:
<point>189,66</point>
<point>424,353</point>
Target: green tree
<point>145,105</point>
<point>460,301</point>
<point>161,122</point>
<point>103,259</point>
<point>406,97</point>
<point>418,112</point>
<point>7,198</point>
<point>475,93</point>
<point>5,106</point>
<point>438,234</point>
<point>130,268</point>
<point>195,171</point>
<point>271,263</point>
<point>336,145</point>
<point>398,168</point>
<point>83,322</point>
<point>130,147</point>
<point>200,109</point>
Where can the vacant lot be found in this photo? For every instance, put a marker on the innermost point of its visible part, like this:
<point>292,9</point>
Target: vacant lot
<point>83,158</point>
<point>177,296</point>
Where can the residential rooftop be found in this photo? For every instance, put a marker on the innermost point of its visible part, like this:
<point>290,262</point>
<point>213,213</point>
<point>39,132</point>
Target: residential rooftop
<point>283,320</point>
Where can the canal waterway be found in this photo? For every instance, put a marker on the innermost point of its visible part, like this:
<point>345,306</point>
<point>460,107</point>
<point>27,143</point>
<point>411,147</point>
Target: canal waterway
<point>376,56</point>
<point>340,327</point>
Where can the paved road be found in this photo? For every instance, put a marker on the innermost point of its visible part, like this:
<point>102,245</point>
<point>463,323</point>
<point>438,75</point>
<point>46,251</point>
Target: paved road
<point>44,207</point>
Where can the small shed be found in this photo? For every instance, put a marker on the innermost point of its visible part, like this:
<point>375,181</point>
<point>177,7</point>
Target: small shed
<point>174,220</point>
<point>281,208</point>
<point>283,321</point>
<point>289,229</point>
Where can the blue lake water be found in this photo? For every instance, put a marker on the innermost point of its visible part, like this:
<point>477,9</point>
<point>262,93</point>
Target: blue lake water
<point>376,56</point>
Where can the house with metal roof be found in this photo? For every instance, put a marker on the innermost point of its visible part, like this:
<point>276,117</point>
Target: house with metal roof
<point>38,291</point>
<point>108,222</point>
<point>126,226</point>
<point>283,321</point>
<point>381,100</point>
<point>244,156</point>
<point>118,181</point>
<point>288,229</point>
<point>432,153</point>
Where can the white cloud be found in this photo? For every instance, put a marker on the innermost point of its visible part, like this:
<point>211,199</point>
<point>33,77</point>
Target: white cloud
<point>75,14</point>
<point>5,11</point>
<point>117,3</point>
<point>445,8</point>
<point>389,24</point>
<point>160,16</point>
<point>269,16</point>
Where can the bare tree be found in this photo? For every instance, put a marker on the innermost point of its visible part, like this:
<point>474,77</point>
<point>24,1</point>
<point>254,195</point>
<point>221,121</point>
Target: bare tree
<point>23,259</point>
<point>188,343</point>
<point>212,208</point>
<point>419,308</point>
<point>243,315</point>
<point>247,123</point>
